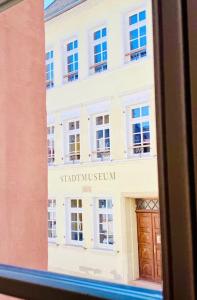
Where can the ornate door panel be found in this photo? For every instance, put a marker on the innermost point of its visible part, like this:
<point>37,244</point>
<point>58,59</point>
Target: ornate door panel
<point>145,244</point>
<point>157,246</point>
<point>149,244</point>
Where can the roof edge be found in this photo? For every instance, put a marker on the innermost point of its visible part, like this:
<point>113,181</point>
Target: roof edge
<point>61,11</point>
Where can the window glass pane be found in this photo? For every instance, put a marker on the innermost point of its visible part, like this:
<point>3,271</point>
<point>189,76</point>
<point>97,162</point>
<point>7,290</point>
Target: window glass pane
<point>143,41</point>
<point>134,34</point>
<point>102,203</point>
<point>136,112</point>
<point>142,30</point>
<point>134,44</point>
<point>133,19</point>
<point>97,48</point>
<point>145,110</point>
<point>74,203</point>
<point>136,128</point>
<point>104,32</point>
<point>145,126</point>
<point>97,35</point>
<point>142,15</point>
<point>99,120</point>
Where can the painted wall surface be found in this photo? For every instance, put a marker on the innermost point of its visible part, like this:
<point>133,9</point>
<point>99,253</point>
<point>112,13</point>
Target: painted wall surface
<point>23,165</point>
<point>134,177</point>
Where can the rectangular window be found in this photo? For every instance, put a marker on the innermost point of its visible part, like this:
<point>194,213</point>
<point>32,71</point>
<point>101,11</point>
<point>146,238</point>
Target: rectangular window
<point>99,46</point>
<point>104,223</point>
<point>51,220</point>
<point>102,137</point>
<point>72,140</point>
<point>139,130</point>
<point>75,221</point>
<point>51,148</point>
<point>49,62</point>
<point>71,65</point>
<point>137,36</point>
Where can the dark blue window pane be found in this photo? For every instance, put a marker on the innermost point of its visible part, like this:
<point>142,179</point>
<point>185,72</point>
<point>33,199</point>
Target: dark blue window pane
<point>145,126</point>
<point>133,19</point>
<point>48,67</point>
<point>134,45</point>
<point>80,236</point>
<point>104,46</point>
<point>137,138</point>
<point>70,59</point>
<point>104,32</point>
<point>136,128</point>
<point>142,15</point>
<point>134,34</point>
<point>146,137</point>
<point>75,44</point>
<point>107,143</point>
<point>52,75</point>
<point>76,66</point>
<point>70,46</point>
<point>97,48</point>
<point>136,113</point>
<point>102,203</point>
<point>105,55</point>
<point>99,134</point>
<point>51,54</point>
<point>143,41</point>
<point>145,111</point>
<point>76,56</point>
<point>97,35</point>
<point>97,58</point>
<point>51,66</point>
<point>74,236</point>
<point>70,68</point>
<point>106,132</point>
<point>142,30</point>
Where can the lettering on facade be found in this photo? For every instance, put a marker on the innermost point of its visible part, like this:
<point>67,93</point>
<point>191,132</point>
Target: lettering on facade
<point>87,177</point>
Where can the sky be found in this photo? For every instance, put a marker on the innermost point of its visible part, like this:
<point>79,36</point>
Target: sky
<point>47,2</point>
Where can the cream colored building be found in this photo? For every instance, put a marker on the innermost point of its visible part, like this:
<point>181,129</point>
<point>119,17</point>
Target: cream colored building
<point>101,139</point>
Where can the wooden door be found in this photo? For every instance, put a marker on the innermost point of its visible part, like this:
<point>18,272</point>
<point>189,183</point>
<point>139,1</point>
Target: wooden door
<point>149,246</point>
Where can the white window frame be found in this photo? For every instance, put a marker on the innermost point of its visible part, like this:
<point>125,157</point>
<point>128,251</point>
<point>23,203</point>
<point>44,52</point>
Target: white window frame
<point>66,54</point>
<point>49,62</point>
<point>51,139</point>
<point>93,43</point>
<point>96,128</point>
<point>106,211</point>
<point>66,135</point>
<point>68,229</point>
<point>53,210</point>
<point>129,27</point>
<point>131,121</point>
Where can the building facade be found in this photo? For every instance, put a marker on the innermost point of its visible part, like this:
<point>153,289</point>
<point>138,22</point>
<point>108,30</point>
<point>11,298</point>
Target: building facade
<point>103,207</point>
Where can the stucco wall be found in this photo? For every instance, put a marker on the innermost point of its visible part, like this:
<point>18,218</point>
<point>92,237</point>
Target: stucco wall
<point>23,166</point>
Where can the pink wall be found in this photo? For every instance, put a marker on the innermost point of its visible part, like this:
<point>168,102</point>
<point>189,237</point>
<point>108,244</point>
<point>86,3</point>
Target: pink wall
<point>23,160</point>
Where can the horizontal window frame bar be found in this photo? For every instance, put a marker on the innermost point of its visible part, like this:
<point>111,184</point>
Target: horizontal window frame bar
<point>39,285</point>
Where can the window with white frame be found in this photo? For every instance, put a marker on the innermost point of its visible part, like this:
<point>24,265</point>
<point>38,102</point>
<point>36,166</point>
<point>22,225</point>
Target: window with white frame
<point>51,220</point>
<point>51,144</point>
<point>139,130</point>
<point>104,223</point>
<point>49,63</point>
<point>137,36</point>
<point>72,141</point>
<point>75,221</point>
<point>102,137</point>
<point>71,65</point>
<point>99,51</point>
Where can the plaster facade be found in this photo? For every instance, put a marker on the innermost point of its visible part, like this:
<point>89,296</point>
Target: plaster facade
<point>123,178</point>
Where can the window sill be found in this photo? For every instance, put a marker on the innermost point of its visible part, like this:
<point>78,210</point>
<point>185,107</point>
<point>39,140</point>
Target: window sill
<point>22,281</point>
